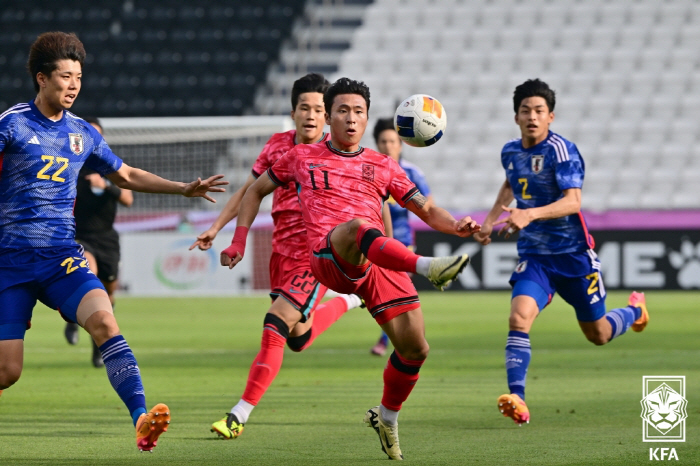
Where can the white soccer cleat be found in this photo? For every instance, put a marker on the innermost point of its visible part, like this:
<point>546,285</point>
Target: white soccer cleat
<point>443,270</point>
<point>388,435</point>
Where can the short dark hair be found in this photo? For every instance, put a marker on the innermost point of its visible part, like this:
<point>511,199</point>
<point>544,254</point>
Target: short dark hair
<point>345,86</point>
<point>312,82</point>
<point>93,121</point>
<point>50,47</point>
<point>383,124</point>
<point>534,88</point>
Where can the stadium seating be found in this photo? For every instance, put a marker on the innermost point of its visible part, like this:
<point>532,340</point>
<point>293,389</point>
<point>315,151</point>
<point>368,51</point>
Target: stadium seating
<point>210,54</point>
<point>627,76</point>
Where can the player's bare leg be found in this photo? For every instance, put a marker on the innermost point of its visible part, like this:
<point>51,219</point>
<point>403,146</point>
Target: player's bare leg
<point>598,332</point>
<point>72,330</point>
<point>617,321</point>
<point>11,362</point>
<point>357,242</point>
<point>407,333</point>
<point>523,312</point>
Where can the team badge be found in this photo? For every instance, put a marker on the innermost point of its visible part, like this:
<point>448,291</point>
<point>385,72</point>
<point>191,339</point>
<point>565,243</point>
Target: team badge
<point>367,172</point>
<point>664,408</point>
<point>521,267</point>
<point>537,163</point>
<point>76,143</point>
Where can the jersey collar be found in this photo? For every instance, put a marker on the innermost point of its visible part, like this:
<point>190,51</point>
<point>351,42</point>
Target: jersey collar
<point>536,146</point>
<point>342,153</point>
<point>40,116</point>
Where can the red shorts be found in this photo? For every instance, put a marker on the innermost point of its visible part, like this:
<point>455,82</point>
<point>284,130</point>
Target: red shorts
<point>387,293</point>
<point>292,279</point>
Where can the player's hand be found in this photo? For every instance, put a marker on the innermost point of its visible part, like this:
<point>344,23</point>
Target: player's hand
<point>228,261</point>
<point>516,221</point>
<point>205,240</point>
<point>199,188</point>
<point>484,236</point>
<point>466,227</point>
<point>96,181</point>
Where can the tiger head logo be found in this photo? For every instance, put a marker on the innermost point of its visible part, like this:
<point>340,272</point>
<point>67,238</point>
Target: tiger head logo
<point>664,408</point>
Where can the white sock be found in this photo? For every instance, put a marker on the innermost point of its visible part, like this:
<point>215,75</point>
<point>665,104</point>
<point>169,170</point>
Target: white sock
<point>423,265</point>
<point>389,417</point>
<point>242,410</point>
<point>352,300</point>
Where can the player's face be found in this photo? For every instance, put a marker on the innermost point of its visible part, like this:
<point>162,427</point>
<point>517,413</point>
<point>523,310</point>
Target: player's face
<point>309,117</point>
<point>534,119</point>
<point>61,88</point>
<point>348,121</point>
<point>389,143</point>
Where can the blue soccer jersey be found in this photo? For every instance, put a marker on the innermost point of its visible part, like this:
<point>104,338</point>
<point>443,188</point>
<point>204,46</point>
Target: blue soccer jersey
<point>39,164</point>
<point>538,176</point>
<point>399,215</point>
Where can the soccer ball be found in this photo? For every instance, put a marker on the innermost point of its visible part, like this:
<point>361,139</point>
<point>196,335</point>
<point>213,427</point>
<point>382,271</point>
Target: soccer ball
<point>420,120</point>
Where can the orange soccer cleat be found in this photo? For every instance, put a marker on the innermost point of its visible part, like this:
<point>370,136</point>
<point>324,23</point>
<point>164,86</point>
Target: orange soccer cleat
<point>150,426</point>
<point>638,300</point>
<point>514,407</point>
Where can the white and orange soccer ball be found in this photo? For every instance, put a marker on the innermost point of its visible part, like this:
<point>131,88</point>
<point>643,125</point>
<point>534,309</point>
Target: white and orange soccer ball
<point>420,120</point>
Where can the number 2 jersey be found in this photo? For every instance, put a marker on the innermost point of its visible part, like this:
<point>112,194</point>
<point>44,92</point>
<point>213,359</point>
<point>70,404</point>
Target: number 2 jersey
<point>335,187</point>
<point>538,176</point>
<point>289,234</point>
<point>39,164</point>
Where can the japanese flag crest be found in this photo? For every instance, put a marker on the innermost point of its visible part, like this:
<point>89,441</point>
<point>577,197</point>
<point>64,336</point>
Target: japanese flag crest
<point>76,143</point>
<point>537,163</point>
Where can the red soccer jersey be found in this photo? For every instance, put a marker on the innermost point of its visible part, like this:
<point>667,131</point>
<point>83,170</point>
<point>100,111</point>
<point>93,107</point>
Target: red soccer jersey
<point>335,187</point>
<point>289,234</point>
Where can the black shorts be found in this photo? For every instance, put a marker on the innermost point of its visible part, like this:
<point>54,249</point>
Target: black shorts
<point>105,248</point>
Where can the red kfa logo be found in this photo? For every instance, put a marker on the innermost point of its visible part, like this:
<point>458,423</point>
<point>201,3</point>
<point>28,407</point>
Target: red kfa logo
<point>662,454</point>
<point>368,172</point>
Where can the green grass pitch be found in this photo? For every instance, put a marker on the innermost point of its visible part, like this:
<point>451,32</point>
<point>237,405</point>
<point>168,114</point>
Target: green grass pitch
<point>194,355</point>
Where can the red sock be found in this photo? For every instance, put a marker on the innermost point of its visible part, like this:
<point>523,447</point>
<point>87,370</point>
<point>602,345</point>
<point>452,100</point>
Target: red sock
<point>400,376</point>
<point>326,315</point>
<point>384,251</point>
<point>265,366</point>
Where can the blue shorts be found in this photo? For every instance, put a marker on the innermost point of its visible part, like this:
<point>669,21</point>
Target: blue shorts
<point>575,276</point>
<point>58,277</point>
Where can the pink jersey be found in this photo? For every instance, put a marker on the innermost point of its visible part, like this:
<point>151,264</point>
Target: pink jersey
<point>335,187</point>
<point>289,234</point>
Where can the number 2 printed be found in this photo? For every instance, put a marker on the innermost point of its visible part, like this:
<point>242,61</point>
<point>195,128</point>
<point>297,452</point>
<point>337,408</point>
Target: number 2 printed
<point>523,181</point>
<point>49,159</point>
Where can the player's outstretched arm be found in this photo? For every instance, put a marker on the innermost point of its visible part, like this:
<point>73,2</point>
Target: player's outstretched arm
<point>146,182</point>
<point>440,219</point>
<point>250,204</point>
<point>569,203</point>
<point>504,198</point>
<point>228,213</point>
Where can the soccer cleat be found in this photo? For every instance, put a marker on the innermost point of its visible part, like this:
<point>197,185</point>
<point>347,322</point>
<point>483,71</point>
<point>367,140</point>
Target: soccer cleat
<point>379,349</point>
<point>72,333</point>
<point>150,426</point>
<point>388,435</point>
<point>228,427</point>
<point>96,356</point>
<point>0,392</point>
<point>443,270</point>
<point>638,300</point>
<point>514,407</point>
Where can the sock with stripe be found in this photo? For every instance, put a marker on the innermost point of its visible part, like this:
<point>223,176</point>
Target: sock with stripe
<point>400,376</point>
<point>518,353</point>
<point>621,319</point>
<point>324,316</point>
<point>268,362</point>
<point>124,375</point>
<point>384,251</point>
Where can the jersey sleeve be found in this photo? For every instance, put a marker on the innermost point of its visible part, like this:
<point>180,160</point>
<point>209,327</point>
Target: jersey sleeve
<point>401,188</point>
<point>418,179</point>
<point>262,163</point>
<point>102,159</point>
<point>569,171</point>
<point>282,172</point>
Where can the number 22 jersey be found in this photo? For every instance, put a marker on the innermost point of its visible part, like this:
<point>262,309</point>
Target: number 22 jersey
<point>39,164</point>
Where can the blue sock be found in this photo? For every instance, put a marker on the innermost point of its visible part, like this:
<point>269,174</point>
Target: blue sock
<point>123,373</point>
<point>384,338</point>
<point>621,319</point>
<point>517,361</point>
